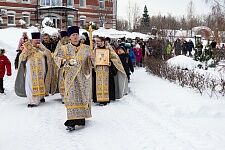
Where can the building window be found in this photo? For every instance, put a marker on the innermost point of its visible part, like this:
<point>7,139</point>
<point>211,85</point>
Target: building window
<point>10,0</point>
<point>51,2</point>
<point>69,2</point>
<point>57,22</point>
<point>11,19</point>
<point>26,17</point>
<point>25,1</point>
<point>1,21</point>
<point>101,4</point>
<point>82,21</point>
<point>82,3</point>
<point>102,21</point>
<point>70,20</point>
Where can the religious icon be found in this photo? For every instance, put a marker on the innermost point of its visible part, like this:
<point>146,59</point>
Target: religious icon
<point>102,57</point>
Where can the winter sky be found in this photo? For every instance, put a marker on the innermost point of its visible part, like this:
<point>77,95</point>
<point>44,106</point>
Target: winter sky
<point>173,7</point>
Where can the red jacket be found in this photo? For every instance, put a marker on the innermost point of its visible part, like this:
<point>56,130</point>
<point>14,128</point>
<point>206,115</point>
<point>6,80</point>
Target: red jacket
<point>138,54</point>
<point>5,64</point>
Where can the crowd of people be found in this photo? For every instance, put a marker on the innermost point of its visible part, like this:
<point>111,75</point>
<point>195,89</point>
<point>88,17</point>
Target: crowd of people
<point>82,70</point>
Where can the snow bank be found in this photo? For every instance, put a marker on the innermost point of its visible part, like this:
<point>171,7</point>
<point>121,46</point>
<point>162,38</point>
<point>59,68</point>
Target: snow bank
<point>183,62</point>
<point>50,30</point>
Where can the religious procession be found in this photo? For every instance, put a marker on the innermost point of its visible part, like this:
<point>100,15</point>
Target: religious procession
<point>85,71</point>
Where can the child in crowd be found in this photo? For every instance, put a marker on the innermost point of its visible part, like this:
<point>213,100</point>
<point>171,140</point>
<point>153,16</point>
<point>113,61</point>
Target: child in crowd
<point>5,66</point>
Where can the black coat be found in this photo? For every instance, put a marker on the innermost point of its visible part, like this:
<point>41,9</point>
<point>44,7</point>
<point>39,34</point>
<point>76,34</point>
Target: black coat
<point>17,58</point>
<point>190,46</point>
<point>51,46</point>
<point>127,63</point>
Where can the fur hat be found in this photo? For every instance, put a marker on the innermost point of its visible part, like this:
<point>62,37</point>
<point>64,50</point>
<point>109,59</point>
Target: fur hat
<point>73,29</point>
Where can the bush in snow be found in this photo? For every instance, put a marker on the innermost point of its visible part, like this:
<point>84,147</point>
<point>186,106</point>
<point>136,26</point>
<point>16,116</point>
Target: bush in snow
<point>186,78</point>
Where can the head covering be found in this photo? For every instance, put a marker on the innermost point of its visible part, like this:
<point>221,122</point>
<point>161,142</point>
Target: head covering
<point>73,29</point>
<point>123,48</point>
<point>127,45</point>
<point>63,34</point>
<point>2,51</point>
<point>108,39</point>
<point>36,35</point>
<point>82,37</point>
<point>137,46</point>
<point>85,34</point>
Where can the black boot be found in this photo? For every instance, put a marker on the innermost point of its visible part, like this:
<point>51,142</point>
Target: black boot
<point>70,128</point>
<point>103,103</point>
<point>31,105</point>
<point>1,85</point>
<point>42,100</point>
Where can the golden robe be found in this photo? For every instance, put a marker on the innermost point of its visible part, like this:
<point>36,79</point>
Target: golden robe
<point>77,97</point>
<point>60,71</point>
<point>30,80</point>
<point>102,78</point>
<point>52,71</point>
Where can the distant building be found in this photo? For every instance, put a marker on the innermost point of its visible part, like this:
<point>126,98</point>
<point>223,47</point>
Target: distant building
<point>62,12</point>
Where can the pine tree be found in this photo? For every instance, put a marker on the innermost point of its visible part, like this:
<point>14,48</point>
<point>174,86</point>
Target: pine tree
<point>145,20</point>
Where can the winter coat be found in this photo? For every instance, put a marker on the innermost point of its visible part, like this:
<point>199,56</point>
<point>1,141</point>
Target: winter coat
<point>138,54</point>
<point>168,49</point>
<point>51,45</point>
<point>213,44</point>
<point>177,47</point>
<point>190,46</point>
<point>127,63</point>
<point>132,55</point>
<point>5,65</point>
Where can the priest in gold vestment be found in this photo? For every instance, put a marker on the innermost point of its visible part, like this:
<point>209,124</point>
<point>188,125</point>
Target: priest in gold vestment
<point>30,80</point>
<point>60,85</point>
<point>75,59</point>
<point>109,78</point>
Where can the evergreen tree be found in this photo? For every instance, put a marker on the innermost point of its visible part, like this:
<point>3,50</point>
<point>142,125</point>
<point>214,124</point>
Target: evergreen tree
<point>145,20</point>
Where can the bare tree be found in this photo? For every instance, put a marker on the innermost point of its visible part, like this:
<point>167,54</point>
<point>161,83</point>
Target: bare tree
<point>136,15</point>
<point>129,14</point>
<point>190,15</point>
<point>122,24</point>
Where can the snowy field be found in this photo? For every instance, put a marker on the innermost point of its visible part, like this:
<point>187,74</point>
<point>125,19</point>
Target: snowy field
<point>156,115</point>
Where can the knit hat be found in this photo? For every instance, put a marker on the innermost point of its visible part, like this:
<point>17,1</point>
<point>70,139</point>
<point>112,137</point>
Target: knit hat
<point>127,45</point>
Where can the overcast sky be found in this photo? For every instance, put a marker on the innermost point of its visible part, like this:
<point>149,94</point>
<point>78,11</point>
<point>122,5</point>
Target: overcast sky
<point>174,7</point>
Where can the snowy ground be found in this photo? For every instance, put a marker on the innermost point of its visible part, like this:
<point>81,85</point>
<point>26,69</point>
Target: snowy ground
<point>156,115</point>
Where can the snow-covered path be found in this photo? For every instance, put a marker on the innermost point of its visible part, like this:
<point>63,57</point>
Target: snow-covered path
<point>156,115</point>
